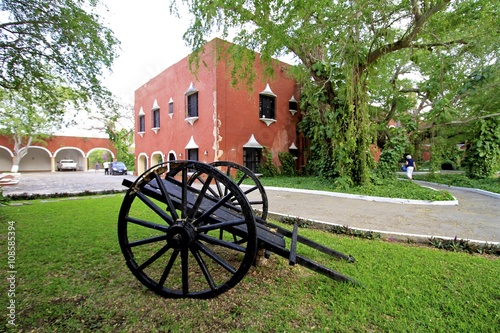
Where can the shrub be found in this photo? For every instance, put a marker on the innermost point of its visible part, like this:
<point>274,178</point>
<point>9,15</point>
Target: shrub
<point>268,169</point>
<point>3,199</point>
<point>287,164</point>
<point>483,155</point>
<point>394,150</point>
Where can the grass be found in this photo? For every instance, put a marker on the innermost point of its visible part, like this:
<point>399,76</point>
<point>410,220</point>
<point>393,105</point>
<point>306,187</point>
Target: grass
<point>71,277</point>
<point>402,189</point>
<point>460,180</point>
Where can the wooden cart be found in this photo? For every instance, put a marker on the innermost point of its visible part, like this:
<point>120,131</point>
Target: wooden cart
<point>190,229</point>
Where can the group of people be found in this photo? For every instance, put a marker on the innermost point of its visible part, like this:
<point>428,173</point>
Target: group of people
<point>105,166</point>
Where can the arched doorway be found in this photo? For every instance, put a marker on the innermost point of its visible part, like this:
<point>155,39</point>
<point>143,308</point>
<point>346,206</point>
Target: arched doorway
<point>37,159</point>
<point>100,156</point>
<point>157,158</point>
<point>142,163</point>
<point>171,156</point>
<point>71,153</point>
<point>6,157</point>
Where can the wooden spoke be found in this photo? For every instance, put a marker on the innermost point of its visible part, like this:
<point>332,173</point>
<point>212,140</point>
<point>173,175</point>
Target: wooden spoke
<point>216,258</point>
<point>223,243</point>
<point>166,195</point>
<point>155,208</point>
<point>209,240</point>
<point>146,224</point>
<point>220,225</point>
<point>168,268</point>
<point>154,258</point>
<point>148,241</point>
<point>204,269</point>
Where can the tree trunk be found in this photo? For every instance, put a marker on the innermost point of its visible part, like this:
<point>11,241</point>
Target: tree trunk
<point>350,145</point>
<point>19,151</point>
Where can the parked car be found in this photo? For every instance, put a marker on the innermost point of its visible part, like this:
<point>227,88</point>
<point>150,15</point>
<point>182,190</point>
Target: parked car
<point>117,168</point>
<point>66,165</point>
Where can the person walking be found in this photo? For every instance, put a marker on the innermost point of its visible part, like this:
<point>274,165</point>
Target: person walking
<point>410,167</point>
<point>106,167</point>
<point>96,166</point>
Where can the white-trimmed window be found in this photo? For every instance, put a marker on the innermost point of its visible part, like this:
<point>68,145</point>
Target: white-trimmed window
<point>252,154</point>
<point>156,118</point>
<point>192,150</point>
<point>293,105</point>
<point>170,108</point>
<point>191,101</point>
<point>267,106</point>
<point>252,158</point>
<point>192,105</point>
<point>192,154</point>
<point>141,121</point>
<point>155,115</point>
<point>142,124</point>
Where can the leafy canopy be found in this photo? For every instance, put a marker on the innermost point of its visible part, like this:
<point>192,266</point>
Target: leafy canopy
<point>49,44</point>
<point>358,61</point>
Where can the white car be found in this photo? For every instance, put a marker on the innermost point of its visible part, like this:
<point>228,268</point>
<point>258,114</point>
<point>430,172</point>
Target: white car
<point>66,165</point>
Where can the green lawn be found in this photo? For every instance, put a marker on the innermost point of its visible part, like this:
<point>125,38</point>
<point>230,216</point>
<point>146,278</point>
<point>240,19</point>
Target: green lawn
<point>71,277</point>
<point>403,189</point>
<point>460,180</point>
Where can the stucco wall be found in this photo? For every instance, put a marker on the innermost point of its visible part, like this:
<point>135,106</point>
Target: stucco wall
<point>228,116</point>
<point>44,156</point>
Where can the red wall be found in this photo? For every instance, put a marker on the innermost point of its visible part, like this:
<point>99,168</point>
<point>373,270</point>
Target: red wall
<point>236,111</point>
<point>57,142</point>
<point>43,155</point>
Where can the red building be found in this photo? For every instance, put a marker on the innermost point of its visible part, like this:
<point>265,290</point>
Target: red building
<point>180,115</point>
<point>44,156</point>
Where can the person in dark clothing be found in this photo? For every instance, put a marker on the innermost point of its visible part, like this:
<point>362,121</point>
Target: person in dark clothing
<point>410,167</point>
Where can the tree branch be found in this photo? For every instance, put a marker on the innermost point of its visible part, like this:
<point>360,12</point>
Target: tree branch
<point>406,40</point>
<point>459,122</point>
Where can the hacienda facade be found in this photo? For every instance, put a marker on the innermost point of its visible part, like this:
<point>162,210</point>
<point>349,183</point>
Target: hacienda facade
<point>203,117</point>
<point>44,156</point>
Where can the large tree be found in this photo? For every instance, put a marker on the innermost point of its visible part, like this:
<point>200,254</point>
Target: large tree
<point>342,48</point>
<point>24,122</point>
<point>47,43</point>
<point>53,55</point>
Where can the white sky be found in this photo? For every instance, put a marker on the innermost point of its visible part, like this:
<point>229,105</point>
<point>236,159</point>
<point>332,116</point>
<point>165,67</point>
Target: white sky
<point>151,41</point>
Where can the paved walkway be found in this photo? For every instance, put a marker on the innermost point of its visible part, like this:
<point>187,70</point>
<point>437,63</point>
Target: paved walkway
<point>474,216</point>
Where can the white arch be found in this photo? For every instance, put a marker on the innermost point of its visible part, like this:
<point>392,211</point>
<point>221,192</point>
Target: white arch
<point>35,161</point>
<point>140,168</point>
<point>64,148</point>
<point>80,158</point>
<point>172,152</point>
<point>99,148</point>
<point>43,148</point>
<point>8,150</point>
<point>158,152</point>
<point>143,155</point>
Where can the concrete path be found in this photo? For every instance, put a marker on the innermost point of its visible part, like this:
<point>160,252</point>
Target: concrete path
<point>65,182</point>
<point>474,216</point>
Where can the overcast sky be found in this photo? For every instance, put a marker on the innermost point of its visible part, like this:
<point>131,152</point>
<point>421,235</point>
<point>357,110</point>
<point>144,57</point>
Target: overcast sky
<point>151,41</point>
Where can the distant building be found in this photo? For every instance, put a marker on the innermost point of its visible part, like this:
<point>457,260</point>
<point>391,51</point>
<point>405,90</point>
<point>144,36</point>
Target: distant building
<point>44,156</point>
<point>182,116</point>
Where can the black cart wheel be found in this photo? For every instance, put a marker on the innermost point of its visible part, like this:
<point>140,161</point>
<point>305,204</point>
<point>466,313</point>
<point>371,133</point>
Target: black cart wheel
<point>253,189</point>
<point>169,231</point>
